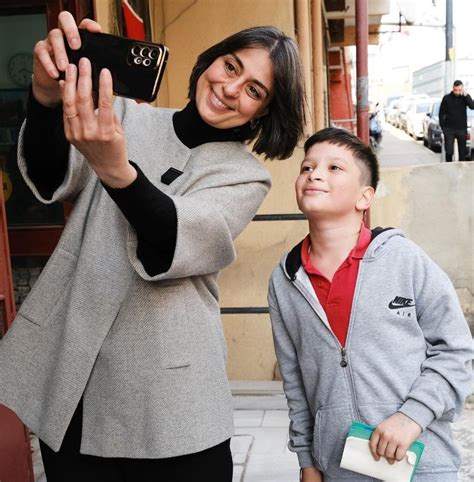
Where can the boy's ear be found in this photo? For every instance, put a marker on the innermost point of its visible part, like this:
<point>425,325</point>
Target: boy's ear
<point>365,200</point>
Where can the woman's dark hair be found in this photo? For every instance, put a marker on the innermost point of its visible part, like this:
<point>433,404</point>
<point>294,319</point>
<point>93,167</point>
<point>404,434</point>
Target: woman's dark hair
<point>278,131</point>
<point>361,151</point>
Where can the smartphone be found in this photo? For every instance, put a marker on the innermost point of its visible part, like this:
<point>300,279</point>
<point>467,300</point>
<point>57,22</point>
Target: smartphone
<point>136,66</point>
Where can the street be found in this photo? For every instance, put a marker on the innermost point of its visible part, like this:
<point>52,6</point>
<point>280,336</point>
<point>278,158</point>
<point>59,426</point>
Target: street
<point>399,149</point>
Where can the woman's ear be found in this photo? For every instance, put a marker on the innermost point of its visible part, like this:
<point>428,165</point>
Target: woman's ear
<point>365,200</point>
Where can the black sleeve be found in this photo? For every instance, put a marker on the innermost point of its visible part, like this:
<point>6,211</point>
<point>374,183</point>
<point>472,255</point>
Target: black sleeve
<point>152,214</point>
<point>442,113</point>
<point>45,146</point>
<point>150,211</point>
<point>469,101</point>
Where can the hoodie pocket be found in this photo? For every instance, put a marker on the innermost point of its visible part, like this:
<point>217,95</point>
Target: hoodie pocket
<point>330,431</point>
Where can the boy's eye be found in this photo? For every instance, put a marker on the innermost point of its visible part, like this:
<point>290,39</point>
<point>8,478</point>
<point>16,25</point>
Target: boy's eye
<point>335,168</point>
<point>306,169</point>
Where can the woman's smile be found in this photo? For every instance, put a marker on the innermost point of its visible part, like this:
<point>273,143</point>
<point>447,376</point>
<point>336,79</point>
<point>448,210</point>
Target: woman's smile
<point>217,103</point>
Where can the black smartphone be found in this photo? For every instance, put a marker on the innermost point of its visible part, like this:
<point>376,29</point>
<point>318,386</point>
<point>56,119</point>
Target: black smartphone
<point>136,66</point>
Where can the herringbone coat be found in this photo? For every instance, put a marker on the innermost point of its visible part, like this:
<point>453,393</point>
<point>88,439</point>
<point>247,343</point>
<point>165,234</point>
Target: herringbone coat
<point>147,353</point>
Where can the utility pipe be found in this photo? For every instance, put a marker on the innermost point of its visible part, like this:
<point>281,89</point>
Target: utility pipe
<point>304,42</point>
<point>318,64</point>
<point>362,41</point>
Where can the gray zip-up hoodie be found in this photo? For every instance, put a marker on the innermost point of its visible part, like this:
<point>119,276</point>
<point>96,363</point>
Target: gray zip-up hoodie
<point>408,349</point>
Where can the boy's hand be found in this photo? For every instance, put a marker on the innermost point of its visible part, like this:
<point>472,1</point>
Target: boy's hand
<point>393,436</point>
<point>311,474</point>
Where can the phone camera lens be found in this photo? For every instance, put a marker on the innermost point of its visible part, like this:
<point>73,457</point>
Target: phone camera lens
<point>136,50</point>
<point>144,52</point>
<point>153,54</point>
<point>137,60</point>
<point>146,62</point>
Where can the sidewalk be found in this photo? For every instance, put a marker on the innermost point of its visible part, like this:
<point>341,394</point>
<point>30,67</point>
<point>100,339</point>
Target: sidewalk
<point>261,429</point>
<point>259,446</point>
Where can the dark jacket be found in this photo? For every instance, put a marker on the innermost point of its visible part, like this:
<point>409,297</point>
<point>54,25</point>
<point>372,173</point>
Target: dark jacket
<point>452,112</point>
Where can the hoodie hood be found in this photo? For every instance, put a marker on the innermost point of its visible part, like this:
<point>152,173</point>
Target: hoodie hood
<point>291,262</point>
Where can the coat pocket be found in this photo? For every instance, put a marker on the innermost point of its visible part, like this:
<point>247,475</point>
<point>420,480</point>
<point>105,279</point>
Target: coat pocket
<point>330,431</point>
<point>51,287</point>
<point>175,339</point>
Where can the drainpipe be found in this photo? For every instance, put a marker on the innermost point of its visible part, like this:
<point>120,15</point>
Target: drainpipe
<point>318,63</point>
<point>450,53</point>
<point>362,69</point>
<point>304,42</point>
<point>362,41</point>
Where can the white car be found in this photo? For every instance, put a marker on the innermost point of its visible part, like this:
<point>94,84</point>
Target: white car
<point>414,116</point>
<point>400,115</point>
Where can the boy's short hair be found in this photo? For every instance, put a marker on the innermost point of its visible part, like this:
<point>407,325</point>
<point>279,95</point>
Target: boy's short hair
<point>457,83</point>
<point>361,151</point>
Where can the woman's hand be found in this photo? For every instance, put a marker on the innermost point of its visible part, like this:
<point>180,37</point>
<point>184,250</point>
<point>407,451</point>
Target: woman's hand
<point>50,57</point>
<point>98,135</point>
<point>311,474</point>
<point>393,436</point>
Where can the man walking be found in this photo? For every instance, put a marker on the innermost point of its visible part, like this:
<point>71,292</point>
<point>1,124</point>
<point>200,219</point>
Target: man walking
<point>453,120</point>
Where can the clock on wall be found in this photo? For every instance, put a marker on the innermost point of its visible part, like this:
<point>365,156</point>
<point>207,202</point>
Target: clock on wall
<point>20,68</point>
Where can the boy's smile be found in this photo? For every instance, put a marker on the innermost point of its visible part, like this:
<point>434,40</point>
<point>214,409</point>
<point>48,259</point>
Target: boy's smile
<point>330,182</point>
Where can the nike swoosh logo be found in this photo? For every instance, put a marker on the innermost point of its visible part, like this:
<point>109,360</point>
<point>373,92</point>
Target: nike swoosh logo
<point>396,306</point>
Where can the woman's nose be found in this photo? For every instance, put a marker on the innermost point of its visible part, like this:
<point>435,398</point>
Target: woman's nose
<point>232,89</point>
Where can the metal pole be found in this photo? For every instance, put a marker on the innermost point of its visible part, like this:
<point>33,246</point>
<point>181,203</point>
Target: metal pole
<point>362,41</point>
<point>362,70</point>
<point>449,57</point>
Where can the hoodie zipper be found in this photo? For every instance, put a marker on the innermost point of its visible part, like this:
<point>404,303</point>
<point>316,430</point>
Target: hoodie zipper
<point>343,350</point>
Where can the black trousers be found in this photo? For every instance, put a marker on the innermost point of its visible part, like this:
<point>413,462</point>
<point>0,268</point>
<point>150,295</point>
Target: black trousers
<point>449,136</point>
<point>68,465</point>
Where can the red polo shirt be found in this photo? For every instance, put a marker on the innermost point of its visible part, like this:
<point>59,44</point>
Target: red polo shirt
<point>336,296</point>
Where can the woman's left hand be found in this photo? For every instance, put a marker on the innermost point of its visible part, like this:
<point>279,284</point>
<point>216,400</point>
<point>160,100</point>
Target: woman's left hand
<point>99,136</point>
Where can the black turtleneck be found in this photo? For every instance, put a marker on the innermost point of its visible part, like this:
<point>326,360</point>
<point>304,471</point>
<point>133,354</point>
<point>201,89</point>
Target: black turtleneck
<point>192,131</point>
<point>144,205</point>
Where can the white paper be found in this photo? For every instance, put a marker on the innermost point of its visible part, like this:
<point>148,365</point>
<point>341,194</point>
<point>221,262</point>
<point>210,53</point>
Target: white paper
<point>358,458</point>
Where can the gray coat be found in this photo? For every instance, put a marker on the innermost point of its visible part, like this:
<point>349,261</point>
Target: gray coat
<point>147,353</point>
<point>408,349</point>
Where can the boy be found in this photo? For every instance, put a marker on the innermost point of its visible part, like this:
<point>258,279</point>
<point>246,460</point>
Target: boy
<point>366,327</point>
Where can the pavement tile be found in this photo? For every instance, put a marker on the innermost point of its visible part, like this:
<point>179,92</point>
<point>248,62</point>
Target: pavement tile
<point>268,440</point>
<point>275,418</point>
<point>248,418</point>
<point>238,472</point>
<point>240,444</point>
<point>271,468</point>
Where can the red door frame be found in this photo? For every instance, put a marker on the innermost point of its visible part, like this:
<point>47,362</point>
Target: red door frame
<point>15,450</point>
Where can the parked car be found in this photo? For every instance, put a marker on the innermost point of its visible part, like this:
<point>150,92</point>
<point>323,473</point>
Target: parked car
<point>388,103</point>
<point>433,135</point>
<point>414,117</point>
<point>391,112</point>
<point>470,134</point>
<point>400,118</point>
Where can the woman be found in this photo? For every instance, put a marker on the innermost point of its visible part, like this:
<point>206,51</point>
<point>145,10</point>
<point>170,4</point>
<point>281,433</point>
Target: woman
<point>117,358</point>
